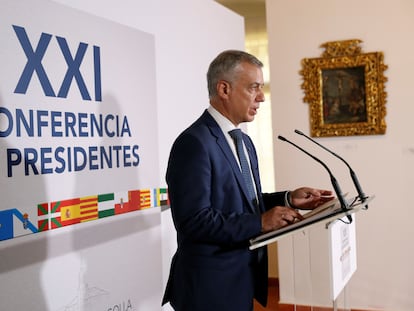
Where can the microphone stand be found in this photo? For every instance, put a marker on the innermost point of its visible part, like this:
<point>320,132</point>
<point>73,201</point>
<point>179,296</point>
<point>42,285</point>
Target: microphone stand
<point>335,185</point>
<point>361,194</point>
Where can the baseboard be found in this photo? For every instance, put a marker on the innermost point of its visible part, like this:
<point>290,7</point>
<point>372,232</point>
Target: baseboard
<point>274,282</point>
<point>290,307</point>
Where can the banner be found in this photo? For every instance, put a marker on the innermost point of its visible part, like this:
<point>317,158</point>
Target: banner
<point>78,118</point>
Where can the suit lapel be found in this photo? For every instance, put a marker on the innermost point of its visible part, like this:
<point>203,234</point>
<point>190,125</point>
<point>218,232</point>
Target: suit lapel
<point>224,146</point>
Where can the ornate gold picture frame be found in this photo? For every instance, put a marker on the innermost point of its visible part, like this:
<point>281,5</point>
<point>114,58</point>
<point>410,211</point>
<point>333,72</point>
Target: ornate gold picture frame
<point>345,90</point>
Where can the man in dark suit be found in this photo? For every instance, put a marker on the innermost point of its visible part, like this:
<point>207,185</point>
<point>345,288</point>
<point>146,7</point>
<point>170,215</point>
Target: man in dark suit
<point>213,210</point>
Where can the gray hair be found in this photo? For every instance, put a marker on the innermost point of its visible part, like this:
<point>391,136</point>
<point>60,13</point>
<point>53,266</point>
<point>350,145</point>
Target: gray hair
<point>224,65</point>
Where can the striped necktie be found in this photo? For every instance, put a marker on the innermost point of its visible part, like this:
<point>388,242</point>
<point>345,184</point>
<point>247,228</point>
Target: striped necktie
<point>245,168</point>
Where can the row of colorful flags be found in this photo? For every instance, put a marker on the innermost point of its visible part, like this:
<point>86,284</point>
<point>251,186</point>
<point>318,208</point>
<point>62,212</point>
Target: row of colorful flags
<point>56,214</point>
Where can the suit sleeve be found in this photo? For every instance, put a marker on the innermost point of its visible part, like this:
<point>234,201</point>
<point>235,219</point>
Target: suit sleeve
<point>274,199</point>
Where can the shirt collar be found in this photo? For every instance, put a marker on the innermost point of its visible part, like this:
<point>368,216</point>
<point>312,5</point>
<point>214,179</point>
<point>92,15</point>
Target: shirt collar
<point>224,123</point>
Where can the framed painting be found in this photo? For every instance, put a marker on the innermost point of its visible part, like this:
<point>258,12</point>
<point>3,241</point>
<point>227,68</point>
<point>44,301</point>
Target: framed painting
<point>345,90</point>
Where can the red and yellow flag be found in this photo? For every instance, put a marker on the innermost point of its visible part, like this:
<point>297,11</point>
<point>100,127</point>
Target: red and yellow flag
<point>88,207</point>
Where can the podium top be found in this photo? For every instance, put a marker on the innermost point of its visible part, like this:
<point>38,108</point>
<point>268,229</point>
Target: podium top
<point>328,212</point>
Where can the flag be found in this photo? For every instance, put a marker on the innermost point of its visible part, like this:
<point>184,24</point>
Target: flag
<point>65,212</point>
<point>134,197</point>
<point>137,199</point>
<point>106,206</point>
<point>88,208</point>
<point>6,225</point>
<point>161,197</point>
<point>121,202</point>
<point>43,217</point>
<point>144,199</point>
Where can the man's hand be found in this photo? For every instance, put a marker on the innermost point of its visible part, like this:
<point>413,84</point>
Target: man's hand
<point>278,217</point>
<point>309,198</point>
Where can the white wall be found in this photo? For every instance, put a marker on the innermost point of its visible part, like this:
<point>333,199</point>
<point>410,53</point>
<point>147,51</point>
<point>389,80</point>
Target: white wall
<point>384,163</point>
<point>188,35</point>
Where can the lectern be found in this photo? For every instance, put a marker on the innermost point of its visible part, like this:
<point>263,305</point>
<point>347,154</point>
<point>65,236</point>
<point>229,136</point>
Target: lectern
<point>342,239</point>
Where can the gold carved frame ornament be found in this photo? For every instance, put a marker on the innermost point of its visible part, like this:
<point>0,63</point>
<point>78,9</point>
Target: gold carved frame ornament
<point>345,90</point>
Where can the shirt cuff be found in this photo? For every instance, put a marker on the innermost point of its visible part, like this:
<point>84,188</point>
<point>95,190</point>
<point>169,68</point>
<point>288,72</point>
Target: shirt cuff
<point>288,202</point>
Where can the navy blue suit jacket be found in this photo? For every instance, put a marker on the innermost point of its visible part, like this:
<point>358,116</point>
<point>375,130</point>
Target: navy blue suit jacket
<point>213,269</point>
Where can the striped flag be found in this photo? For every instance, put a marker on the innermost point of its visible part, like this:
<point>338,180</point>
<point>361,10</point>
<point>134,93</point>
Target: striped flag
<point>43,217</point>
<point>144,199</point>
<point>72,211</point>
<point>65,213</point>
<point>106,205</point>
<point>88,208</point>
<point>161,197</point>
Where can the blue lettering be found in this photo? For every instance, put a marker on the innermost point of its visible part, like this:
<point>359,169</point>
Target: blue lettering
<point>56,123</point>
<point>61,160</point>
<point>135,154</point>
<point>117,125</point>
<point>96,125</point>
<point>62,124</point>
<point>97,71</point>
<point>69,160</point>
<point>125,128</point>
<point>45,160</point>
<point>20,119</point>
<point>83,125</point>
<point>127,156</point>
<point>40,123</point>
<point>73,69</point>
<point>107,131</point>
<point>7,131</point>
<point>70,121</point>
<point>34,65</point>
<point>107,157</point>
<point>14,157</point>
<point>80,162</point>
<point>30,156</point>
<point>117,149</point>
<point>34,62</point>
<point>93,157</point>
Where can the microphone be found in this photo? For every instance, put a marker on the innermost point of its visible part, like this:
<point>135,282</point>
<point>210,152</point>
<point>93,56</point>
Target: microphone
<point>361,193</point>
<point>334,182</point>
